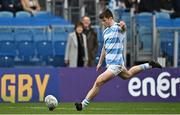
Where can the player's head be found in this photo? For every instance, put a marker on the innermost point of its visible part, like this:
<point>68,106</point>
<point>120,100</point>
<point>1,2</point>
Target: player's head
<point>86,21</point>
<point>79,27</point>
<point>106,17</point>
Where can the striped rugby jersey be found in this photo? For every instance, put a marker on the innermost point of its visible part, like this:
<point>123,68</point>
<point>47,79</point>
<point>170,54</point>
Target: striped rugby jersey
<point>113,44</point>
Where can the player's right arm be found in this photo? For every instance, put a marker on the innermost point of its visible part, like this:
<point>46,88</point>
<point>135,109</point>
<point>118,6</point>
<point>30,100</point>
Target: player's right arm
<point>101,59</point>
<point>122,26</point>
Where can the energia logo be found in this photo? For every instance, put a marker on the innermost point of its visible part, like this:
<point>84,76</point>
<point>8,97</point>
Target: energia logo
<point>164,86</point>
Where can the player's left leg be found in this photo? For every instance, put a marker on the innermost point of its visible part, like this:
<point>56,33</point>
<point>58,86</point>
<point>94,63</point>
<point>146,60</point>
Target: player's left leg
<point>126,74</point>
<point>102,79</point>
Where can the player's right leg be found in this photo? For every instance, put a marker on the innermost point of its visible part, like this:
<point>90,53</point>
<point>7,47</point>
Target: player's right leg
<point>101,79</point>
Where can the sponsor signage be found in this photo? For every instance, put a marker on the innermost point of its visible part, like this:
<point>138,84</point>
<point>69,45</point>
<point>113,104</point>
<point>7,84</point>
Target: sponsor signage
<point>72,84</point>
<point>30,84</point>
<point>155,85</point>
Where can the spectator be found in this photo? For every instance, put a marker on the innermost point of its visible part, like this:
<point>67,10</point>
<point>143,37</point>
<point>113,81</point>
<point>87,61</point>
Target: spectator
<point>176,6</point>
<point>31,5</point>
<point>117,7</point>
<point>0,5</point>
<point>121,4</point>
<point>102,5</point>
<point>92,42</point>
<point>149,5</point>
<point>8,5</point>
<point>76,54</point>
<point>18,5</point>
<point>166,6</point>
<point>130,3</point>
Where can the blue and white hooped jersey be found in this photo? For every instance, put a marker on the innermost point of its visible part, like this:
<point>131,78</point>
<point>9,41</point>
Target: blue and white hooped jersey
<point>113,44</point>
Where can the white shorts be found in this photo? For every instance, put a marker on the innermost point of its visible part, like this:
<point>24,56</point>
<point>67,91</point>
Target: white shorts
<point>115,69</point>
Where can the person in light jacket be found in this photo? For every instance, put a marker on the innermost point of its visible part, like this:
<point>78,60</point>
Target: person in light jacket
<point>76,54</point>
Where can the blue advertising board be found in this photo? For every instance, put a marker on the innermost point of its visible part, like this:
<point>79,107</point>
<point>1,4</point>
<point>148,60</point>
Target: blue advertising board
<point>72,85</point>
<point>154,85</point>
<point>28,84</point>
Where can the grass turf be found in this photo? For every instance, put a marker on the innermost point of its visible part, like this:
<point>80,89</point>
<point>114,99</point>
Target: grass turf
<point>93,108</point>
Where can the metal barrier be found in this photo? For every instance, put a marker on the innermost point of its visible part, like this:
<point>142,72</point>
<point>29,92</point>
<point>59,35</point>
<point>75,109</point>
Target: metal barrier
<point>156,41</point>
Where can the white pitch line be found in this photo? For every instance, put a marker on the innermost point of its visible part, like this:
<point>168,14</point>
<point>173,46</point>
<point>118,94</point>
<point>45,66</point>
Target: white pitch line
<point>99,109</point>
<point>91,114</point>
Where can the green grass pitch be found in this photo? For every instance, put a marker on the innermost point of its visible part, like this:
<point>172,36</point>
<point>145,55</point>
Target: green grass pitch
<point>93,108</point>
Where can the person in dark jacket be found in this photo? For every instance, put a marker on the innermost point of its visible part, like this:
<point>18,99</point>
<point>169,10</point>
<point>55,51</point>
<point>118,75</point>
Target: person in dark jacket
<point>176,6</point>
<point>92,41</point>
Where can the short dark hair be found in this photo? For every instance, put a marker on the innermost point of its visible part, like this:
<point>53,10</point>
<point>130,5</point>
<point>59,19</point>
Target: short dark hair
<point>106,14</point>
<point>78,24</point>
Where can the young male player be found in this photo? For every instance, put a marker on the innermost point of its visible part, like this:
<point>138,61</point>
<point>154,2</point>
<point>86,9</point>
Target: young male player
<point>112,51</point>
